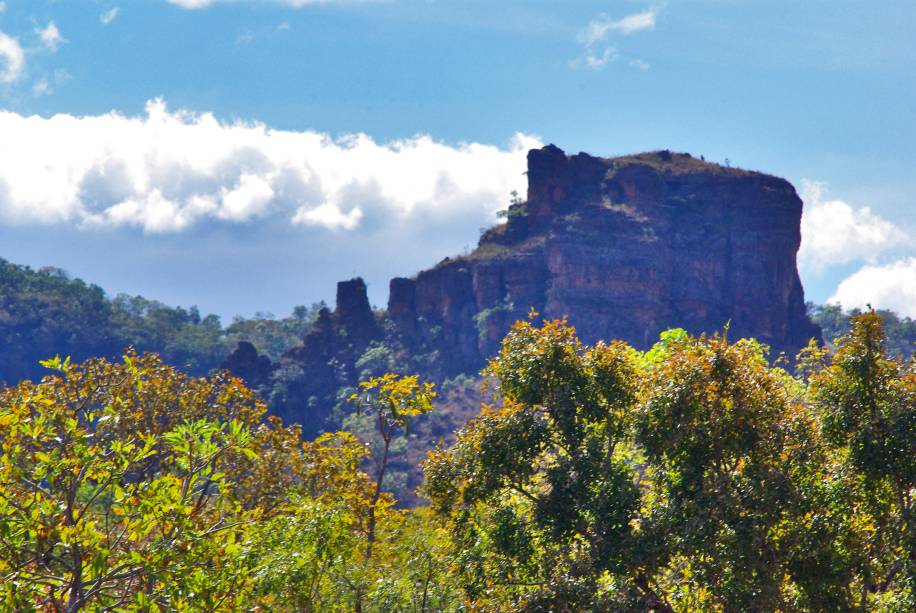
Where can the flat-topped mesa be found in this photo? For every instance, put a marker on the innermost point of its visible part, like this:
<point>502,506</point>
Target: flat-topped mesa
<point>625,248</point>
<point>556,184</point>
<point>559,185</point>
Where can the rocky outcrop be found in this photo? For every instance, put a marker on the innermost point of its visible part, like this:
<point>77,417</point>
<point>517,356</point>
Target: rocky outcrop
<point>623,247</point>
<point>353,312</point>
<point>316,376</point>
<point>245,362</point>
<point>402,303</point>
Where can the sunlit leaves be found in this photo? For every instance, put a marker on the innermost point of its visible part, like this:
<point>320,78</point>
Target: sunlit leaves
<point>867,405</point>
<point>540,505</point>
<point>131,485</point>
<point>694,476</point>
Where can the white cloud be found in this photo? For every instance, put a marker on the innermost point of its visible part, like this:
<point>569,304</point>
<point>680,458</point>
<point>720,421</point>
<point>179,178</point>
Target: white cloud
<point>191,4</point>
<point>884,287</point>
<point>330,216</point>
<point>12,59</point>
<point>595,60</point>
<point>597,54</point>
<point>2,6</point>
<point>171,171</point>
<point>835,233</point>
<point>108,16</point>
<point>249,198</point>
<point>602,25</point>
<point>50,36</point>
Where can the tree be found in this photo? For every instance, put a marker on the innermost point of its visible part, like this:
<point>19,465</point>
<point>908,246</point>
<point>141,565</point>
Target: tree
<point>691,477</point>
<point>306,557</point>
<point>129,485</point>
<point>393,401</point>
<point>867,407</point>
<point>899,331</point>
<point>542,492</point>
<point>736,474</point>
<point>694,477</point>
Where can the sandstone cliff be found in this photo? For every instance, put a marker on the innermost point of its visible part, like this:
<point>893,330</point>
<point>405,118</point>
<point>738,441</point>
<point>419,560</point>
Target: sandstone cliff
<point>627,247</point>
<point>624,247</point>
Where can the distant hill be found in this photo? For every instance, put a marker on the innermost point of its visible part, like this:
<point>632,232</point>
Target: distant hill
<point>835,322</point>
<point>45,313</point>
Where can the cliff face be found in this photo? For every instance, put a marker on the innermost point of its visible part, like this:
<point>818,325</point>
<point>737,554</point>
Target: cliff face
<point>624,247</point>
<point>628,247</point>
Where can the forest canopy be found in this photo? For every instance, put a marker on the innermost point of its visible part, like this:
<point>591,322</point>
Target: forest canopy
<point>691,477</point>
<point>45,313</point>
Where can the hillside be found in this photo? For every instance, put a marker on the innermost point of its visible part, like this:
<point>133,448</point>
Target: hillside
<point>45,313</point>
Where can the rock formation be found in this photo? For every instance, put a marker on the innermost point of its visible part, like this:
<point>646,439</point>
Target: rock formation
<point>245,362</point>
<point>353,312</point>
<point>624,247</point>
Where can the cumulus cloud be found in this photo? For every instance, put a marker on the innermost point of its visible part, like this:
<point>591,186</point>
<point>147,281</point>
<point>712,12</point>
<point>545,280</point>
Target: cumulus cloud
<point>108,16</point>
<point>892,286</point>
<point>601,26</point>
<point>12,59</point>
<point>165,172</point>
<point>50,36</point>
<point>835,233</point>
<point>329,216</point>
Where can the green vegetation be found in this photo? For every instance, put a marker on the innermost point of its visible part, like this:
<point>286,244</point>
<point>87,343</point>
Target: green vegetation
<point>694,477</point>
<point>46,313</point>
<point>691,477</point>
<point>678,163</point>
<point>131,487</point>
<point>517,208</point>
<point>482,319</point>
<point>835,322</point>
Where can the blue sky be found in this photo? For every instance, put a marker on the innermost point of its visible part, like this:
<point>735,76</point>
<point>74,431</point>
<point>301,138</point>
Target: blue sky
<point>204,152</point>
